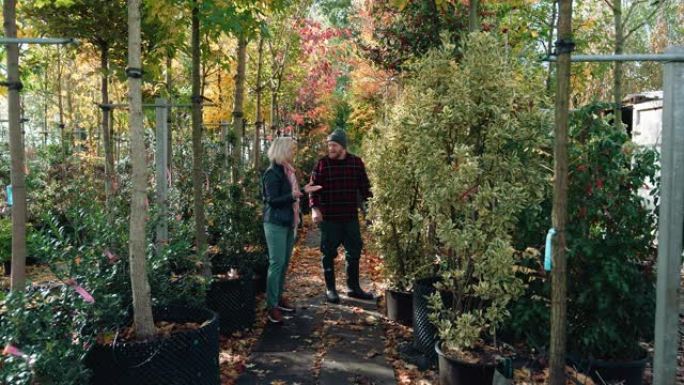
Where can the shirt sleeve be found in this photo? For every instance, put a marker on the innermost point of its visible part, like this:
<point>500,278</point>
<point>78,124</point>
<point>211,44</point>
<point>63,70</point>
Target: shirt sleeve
<point>364,182</point>
<point>317,179</point>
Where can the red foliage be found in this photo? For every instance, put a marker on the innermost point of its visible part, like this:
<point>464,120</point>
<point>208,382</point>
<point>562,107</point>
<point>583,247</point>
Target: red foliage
<point>320,54</point>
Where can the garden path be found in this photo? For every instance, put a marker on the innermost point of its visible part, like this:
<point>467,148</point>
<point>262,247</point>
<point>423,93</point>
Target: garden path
<point>321,343</point>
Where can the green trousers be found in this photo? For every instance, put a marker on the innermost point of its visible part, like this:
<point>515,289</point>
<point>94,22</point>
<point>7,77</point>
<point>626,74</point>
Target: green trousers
<point>334,234</point>
<point>280,240</point>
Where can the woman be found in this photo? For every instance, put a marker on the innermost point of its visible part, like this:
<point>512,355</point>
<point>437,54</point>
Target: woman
<point>281,217</point>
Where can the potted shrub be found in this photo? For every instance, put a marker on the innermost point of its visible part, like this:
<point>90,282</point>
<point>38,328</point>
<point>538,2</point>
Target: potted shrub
<point>257,261</point>
<point>85,249</point>
<point>231,294</point>
<point>611,280</point>
<point>6,244</point>
<point>399,231</point>
<point>38,340</point>
<point>235,229</point>
<point>611,286</point>
<point>475,151</point>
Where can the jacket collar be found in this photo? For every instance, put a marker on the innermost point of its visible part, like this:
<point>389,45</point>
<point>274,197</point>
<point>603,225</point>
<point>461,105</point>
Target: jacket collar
<point>277,168</point>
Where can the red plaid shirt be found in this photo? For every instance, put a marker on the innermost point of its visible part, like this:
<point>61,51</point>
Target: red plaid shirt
<point>345,185</point>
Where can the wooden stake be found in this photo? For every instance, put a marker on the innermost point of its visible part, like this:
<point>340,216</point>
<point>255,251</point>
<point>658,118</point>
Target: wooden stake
<point>558,273</point>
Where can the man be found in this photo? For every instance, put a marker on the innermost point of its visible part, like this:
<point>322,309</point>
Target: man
<point>343,178</point>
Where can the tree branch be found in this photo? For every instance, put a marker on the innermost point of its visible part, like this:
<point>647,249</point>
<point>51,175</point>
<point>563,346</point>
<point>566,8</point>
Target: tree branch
<point>631,9</point>
<point>610,4</point>
<point>646,20</point>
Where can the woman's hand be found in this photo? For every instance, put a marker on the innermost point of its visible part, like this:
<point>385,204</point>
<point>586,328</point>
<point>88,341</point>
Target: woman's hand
<point>296,194</point>
<point>316,215</point>
<point>310,187</point>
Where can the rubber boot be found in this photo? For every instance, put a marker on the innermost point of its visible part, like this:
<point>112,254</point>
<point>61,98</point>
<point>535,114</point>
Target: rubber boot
<point>330,290</point>
<point>355,290</point>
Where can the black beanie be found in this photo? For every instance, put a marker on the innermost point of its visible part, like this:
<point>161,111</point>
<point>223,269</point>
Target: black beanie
<point>338,136</point>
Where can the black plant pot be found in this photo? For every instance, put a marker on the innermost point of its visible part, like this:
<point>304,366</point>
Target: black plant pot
<point>260,278</point>
<point>399,306</point>
<point>182,358</point>
<point>8,268</point>
<point>625,372</point>
<point>234,301</point>
<point>259,283</point>
<point>456,372</point>
<point>424,332</point>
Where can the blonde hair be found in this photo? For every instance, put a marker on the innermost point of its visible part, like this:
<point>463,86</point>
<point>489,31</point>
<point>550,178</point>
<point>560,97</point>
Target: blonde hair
<point>279,152</point>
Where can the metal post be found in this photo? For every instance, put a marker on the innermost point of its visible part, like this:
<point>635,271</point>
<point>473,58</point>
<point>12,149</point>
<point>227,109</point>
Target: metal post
<point>161,160</point>
<point>37,40</point>
<point>671,222</point>
<point>666,57</point>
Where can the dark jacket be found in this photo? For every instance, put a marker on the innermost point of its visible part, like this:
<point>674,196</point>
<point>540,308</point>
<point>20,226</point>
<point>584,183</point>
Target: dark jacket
<point>278,199</point>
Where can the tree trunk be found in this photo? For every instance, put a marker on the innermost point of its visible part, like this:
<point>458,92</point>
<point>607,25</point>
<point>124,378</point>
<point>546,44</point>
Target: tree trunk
<point>558,273</point>
<point>204,71</point>
<point>106,112</point>
<point>60,98</point>
<point>223,126</point>
<point>112,120</point>
<point>277,69</point>
<point>197,151</point>
<point>617,66</point>
<point>549,45</point>
<point>275,116</point>
<point>259,116</point>
<point>68,143</point>
<point>238,114</point>
<point>274,111</point>
<point>17,176</point>
<point>142,303</point>
<point>473,16</point>
<point>45,105</point>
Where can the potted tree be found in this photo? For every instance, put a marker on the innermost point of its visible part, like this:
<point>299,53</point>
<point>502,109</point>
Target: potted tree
<point>399,231</point>
<point>611,293</point>
<point>475,153</point>
<point>171,351</point>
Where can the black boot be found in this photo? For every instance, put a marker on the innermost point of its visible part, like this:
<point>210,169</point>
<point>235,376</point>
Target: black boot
<point>330,290</point>
<point>355,290</point>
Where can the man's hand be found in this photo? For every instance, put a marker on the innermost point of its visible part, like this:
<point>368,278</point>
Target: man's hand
<point>310,187</point>
<point>316,215</point>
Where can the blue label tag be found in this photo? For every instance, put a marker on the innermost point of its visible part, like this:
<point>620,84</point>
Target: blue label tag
<point>8,190</point>
<point>548,253</point>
